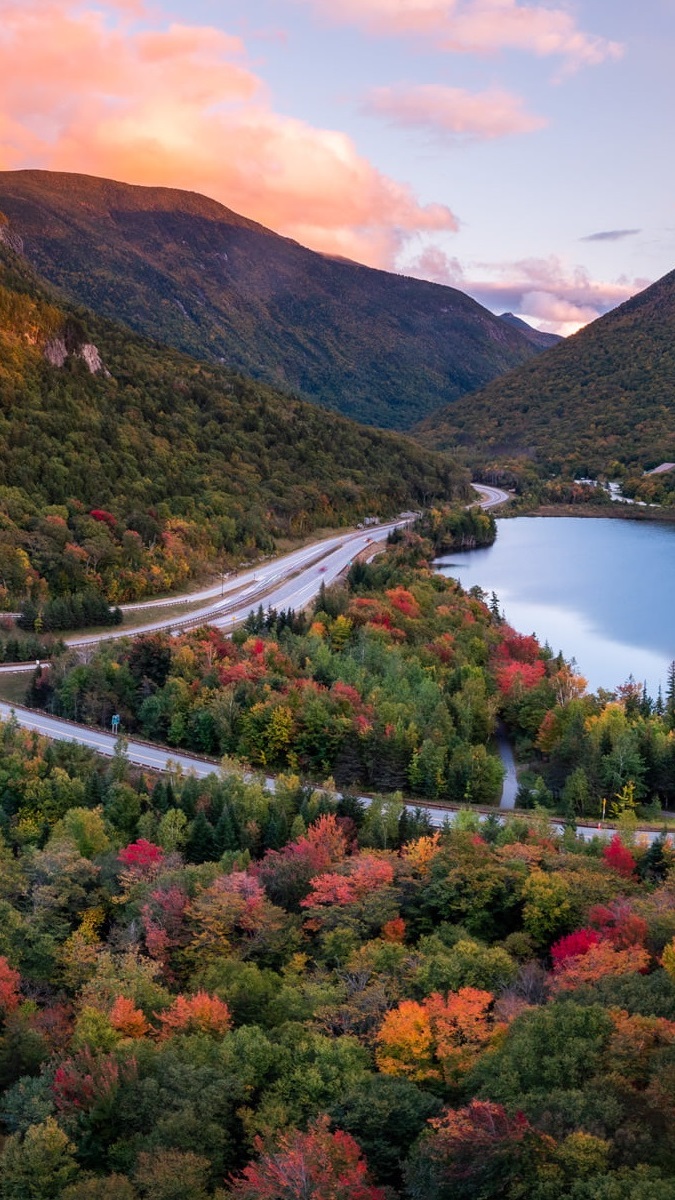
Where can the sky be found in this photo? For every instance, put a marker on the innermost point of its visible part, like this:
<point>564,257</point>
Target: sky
<point>520,152</point>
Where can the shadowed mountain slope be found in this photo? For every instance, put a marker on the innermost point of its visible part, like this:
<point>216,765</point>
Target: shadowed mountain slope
<point>605,395</point>
<point>175,266</point>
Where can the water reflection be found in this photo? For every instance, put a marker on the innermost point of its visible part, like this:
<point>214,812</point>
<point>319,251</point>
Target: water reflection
<point>599,590</point>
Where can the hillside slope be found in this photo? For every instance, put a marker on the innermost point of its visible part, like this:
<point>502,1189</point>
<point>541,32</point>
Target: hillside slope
<point>381,348</point>
<point>181,462</point>
<point>543,341</point>
<point>604,396</point>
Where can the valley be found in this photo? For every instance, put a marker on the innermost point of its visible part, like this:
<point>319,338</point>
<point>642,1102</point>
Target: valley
<point>323,876</point>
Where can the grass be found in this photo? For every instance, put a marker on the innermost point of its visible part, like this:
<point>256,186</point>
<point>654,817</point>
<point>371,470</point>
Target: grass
<point>13,686</point>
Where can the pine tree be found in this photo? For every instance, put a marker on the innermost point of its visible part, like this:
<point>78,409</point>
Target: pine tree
<point>226,834</point>
<point>159,797</point>
<point>93,790</point>
<point>670,693</point>
<point>201,844</point>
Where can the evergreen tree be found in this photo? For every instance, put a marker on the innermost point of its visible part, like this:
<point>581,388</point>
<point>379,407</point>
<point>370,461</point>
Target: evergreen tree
<point>226,834</point>
<point>201,845</point>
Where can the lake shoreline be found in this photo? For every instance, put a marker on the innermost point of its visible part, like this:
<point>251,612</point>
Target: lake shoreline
<point>597,590</point>
<point>611,512</point>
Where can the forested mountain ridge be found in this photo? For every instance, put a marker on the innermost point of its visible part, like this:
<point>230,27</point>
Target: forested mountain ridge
<point>539,339</point>
<point>381,348</point>
<point>126,467</point>
<point>602,397</point>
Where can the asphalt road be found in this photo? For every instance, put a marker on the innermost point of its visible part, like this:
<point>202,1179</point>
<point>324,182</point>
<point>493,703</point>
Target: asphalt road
<point>287,582</point>
<point>491,495</point>
<point>161,758</point>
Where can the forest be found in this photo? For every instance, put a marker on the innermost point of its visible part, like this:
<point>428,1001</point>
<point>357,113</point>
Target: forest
<point>395,683</point>
<point>214,991</point>
<point>600,402</point>
<point>156,468</point>
<point>210,991</point>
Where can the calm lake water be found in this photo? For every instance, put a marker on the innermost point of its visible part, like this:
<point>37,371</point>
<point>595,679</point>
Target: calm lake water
<point>602,591</point>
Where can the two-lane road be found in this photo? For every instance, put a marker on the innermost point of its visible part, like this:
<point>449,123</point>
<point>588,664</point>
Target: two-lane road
<point>492,496</point>
<point>161,758</point>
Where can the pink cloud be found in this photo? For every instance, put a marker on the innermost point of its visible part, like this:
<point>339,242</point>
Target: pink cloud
<point>453,113</point>
<point>476,26</point>
<point>553,296</point>
<point>177,105</point>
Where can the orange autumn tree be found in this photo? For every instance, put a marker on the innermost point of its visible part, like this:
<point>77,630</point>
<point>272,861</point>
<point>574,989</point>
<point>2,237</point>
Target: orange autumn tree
<point>599,960</point>
<point>127,1019</point>
<point>638,1058</point>
<point>418,856</point>
<point>200,1013</point>
<point>441,1038</point>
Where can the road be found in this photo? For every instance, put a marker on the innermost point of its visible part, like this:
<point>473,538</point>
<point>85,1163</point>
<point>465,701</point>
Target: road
<point>287,582</point>
<point>492,496</point>
<point>510,784</point>
<point>161,758</point>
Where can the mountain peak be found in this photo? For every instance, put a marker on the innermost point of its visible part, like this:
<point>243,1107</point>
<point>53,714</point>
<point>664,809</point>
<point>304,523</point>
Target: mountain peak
<point>536,336</point>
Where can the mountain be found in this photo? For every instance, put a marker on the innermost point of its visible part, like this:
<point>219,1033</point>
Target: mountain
<point>182,269</point>
<point>126,466</point>
<point>541,340</point>
<point>602,397</point>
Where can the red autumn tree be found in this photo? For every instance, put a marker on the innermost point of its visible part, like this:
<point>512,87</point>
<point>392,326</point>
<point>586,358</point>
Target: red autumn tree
<point>105,517</point>
<point>141,856</point>
<point>519,676</point>
<point>286,873</point>
<point>164,924</point>
<point>619,858</point>
<point>517,647</point>
<point>574,945</point>
<point>9,987</point>
<point>403,601</point>
<point>317,1164</point>
<point>90,1081</point>
<point>618,924</point>
<point>598,961</point>
<point>363,874</point>
<point>479,1150</point>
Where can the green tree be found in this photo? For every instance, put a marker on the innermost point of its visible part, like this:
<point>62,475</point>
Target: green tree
<point>38,1166</point>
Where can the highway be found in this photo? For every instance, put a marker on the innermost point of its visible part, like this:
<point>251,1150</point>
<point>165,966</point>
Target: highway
<point>492,496</point>
<point>161,758</point>
<point>287,582</point>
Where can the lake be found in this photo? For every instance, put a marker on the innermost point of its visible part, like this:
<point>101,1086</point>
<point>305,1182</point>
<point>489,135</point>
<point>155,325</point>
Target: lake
<point>602,591</point>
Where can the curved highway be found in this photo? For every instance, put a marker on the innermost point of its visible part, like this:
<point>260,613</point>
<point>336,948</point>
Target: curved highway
<point>287,582</point>
<point>492,496</point>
